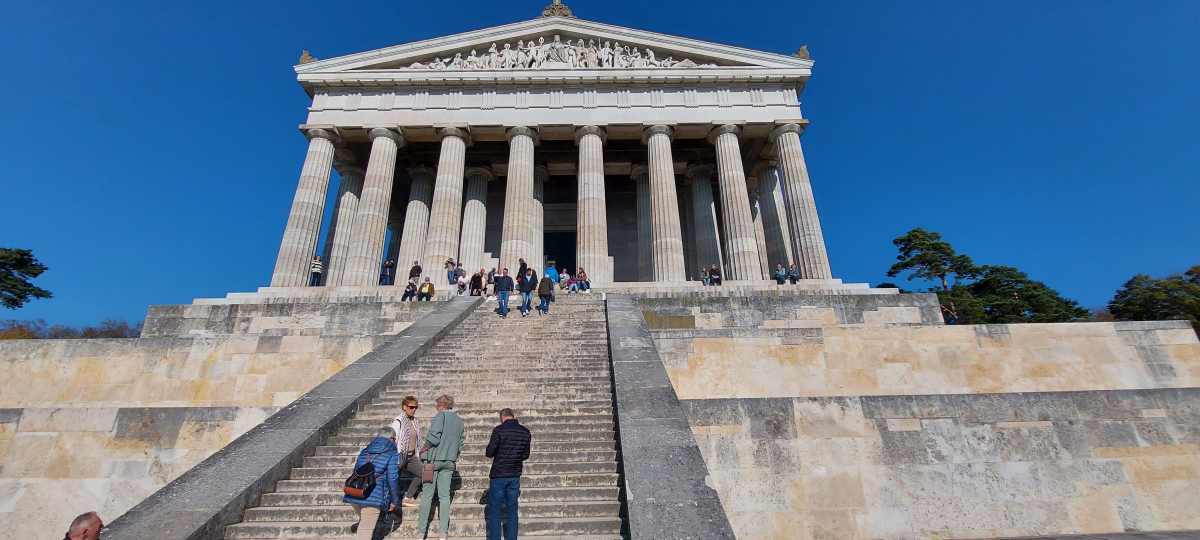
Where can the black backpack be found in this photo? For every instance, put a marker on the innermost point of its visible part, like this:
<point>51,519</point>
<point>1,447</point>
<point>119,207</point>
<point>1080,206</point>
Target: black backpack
<point>361,482</point>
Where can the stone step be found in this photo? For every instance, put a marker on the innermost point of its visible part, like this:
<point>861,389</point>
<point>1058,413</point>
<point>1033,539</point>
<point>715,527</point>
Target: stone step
<point>530,402</point>
<point>531,412</point>
<point>469,470</point>
<point>474,482</point>
<point>458,528</point>
<point>547,494</point>
<point>461,509</point>
<point>482,437</point>
<point>557,432</point>
<point>418,378</point>
<point>488,418</point>
<point>534,423</point>
<point>535,456</point>
<point>478,447</point>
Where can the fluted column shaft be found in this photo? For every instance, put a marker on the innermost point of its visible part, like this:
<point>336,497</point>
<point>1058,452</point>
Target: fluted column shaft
<point>775,224</point>
<point>370,222</point>
<point>537,229</point>
<point>516,233</point>
<point>808,243</point>
<point>416,221</point>
<point>666,237</point>
<point>474,225</point>
<point>445,216</point>
<point>308,207</point>
<point>591,221</point>
<point>645,251</point>
<point>346,209</point>
<point>760,237</point>
<point>741,247</point>
<point>704,214</point>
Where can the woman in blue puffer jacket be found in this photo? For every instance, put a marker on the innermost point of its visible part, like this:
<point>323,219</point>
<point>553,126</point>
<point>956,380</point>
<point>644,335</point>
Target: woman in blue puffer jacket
<point>381,453</point>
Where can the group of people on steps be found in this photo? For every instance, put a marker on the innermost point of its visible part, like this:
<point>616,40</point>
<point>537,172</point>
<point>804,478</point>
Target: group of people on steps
<point>431,457</point>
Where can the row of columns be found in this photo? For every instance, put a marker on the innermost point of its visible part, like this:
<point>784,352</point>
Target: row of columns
<point>446,214</point>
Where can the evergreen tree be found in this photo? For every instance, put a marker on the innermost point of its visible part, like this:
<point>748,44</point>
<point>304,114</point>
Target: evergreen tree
<point>1144,298</point>
<point>17,268</point>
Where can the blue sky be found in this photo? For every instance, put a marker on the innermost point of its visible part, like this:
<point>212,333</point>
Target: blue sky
<point>152,153</point>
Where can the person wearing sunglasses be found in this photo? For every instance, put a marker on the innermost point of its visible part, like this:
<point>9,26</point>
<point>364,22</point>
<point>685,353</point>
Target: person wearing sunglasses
<point>408,433</point>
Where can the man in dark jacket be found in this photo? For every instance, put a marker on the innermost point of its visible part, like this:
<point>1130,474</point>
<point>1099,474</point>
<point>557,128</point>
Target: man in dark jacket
<point>508,448</point>
<point>527,283</point>
<point>504,287</point>
<point>415,271</point>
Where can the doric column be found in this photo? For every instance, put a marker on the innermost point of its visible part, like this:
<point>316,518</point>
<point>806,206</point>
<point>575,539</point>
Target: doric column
<point>704,213</point>
<point>645,251</point>
<point>774,218</point>
<point>308,206</point>
<point>537,230</point>
<point>346,209</point>
<point>445,216</point>
<point>474,226</point>
<point>516,235</point>
<point>808,244</point>
<point>760,238</point>
<point>370,222</point>
<point>416,221</point>
<point>741,248</point>
<point>666,238</point>
<point>591,221</point>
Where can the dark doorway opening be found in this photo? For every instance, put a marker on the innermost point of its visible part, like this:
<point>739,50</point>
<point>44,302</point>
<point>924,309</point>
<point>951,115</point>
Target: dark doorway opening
<point>560,249</point>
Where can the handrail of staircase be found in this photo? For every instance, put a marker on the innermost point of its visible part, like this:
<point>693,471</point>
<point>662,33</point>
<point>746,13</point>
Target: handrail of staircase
<point>665,477</point>
<point>202,501</point>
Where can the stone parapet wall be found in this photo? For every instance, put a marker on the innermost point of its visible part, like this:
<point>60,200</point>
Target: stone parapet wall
<point>58,462</point>
<point>903,359</point>
<point>278,318</point>
<point>836,419</point>
<point>954,466</point>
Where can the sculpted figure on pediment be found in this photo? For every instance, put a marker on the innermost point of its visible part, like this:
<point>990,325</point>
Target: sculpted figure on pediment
<point>556,54</point>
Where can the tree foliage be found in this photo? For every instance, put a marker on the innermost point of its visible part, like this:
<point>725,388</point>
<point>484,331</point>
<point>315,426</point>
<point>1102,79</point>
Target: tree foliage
<point>1144,298</point>
<point>972,294</point>
<point>17,268</point>
<point>926,256</point>
<point>37,329</point>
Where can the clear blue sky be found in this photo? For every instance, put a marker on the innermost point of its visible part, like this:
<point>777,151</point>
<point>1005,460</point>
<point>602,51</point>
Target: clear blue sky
<point>151,150</point>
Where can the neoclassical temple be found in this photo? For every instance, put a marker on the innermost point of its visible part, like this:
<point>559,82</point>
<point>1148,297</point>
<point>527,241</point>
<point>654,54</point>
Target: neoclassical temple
<point>636,155</point>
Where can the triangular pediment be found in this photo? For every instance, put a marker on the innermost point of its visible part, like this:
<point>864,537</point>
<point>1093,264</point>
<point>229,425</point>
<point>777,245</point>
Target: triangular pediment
<point>555,44</point>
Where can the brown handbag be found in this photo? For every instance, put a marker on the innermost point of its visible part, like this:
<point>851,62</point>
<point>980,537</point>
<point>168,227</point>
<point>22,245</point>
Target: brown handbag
<point>427,473</point>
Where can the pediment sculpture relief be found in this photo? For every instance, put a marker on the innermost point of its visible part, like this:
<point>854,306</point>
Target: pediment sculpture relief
<point>557,54</point>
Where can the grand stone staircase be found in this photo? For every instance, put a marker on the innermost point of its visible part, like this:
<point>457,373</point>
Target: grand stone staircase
<point>552,370</point>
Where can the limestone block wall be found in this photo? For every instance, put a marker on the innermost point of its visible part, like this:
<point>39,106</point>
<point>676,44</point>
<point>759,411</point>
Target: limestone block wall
<point>954,466</point>
<point>852,425</point>
<point>102,423</point>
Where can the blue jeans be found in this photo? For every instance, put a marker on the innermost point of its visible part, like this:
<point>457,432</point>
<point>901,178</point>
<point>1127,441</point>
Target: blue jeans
<point>502,299</point>
<point>544,304</point>
<point>583,285</point>
<point>502,506</point>
<point>526,301</point>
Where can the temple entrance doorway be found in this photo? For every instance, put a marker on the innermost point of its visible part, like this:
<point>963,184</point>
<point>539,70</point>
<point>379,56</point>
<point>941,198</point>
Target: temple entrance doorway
<point>560,249</point>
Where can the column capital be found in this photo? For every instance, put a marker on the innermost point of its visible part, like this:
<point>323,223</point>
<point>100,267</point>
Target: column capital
<point>522,130</point>
<point>798,129</point>
<point>422,171</point>
<point>480,172</point>
<point>723,129</point>
<point>700,171</point>
<point>541,172</point>
<point>638,170</point>
<point>762,167</point>
<point>657,129</point>
<point>392,133</point>
<point>452,131</point>
<point>315,131</point>
<point>599,131</point>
